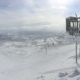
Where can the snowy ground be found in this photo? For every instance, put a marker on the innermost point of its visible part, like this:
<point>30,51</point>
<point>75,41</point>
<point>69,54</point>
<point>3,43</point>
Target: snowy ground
<point>38,59</point>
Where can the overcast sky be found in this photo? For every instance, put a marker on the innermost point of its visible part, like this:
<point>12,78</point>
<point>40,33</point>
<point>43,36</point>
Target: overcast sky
<point>37,14</point>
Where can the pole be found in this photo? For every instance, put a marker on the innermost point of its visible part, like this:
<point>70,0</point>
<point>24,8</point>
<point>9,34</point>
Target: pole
<point>76,50</point>
<point>76,44</point>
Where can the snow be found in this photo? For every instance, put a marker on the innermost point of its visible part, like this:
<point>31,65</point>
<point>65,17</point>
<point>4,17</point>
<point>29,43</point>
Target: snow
<point>52,58</point>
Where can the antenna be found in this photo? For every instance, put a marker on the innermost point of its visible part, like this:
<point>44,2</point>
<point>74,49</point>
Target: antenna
<point>75,14</point>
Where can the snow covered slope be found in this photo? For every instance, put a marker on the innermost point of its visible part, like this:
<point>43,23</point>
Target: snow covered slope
<point>30,59</point>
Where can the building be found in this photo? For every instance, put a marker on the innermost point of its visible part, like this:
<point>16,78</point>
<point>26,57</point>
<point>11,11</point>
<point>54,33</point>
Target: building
<point>73,25</point>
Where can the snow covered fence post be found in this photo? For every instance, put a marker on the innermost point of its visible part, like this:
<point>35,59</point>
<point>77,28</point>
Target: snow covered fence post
<point>41,77</point>
<point>45,46</point>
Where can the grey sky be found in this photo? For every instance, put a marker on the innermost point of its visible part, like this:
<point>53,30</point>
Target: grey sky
<point>36,14</point>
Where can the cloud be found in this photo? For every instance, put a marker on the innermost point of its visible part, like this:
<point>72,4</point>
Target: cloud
<point>34,14</point>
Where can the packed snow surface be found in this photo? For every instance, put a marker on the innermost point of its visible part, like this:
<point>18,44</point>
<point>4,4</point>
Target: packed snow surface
<point>37,58</point>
